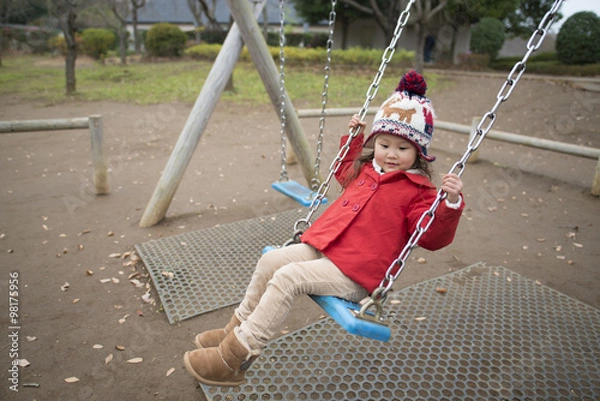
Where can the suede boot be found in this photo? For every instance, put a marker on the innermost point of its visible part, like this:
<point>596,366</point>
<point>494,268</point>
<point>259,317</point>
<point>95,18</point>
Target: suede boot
<point>213,338</point>
<point>224,365</point>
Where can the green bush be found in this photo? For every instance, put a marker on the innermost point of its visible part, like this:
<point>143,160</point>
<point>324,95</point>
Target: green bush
<point>487,37</point>
<point>58,43</point>
<point>165,40</point>
<point>312,56</point>
<point>578,41</point>
<point>95,42</point>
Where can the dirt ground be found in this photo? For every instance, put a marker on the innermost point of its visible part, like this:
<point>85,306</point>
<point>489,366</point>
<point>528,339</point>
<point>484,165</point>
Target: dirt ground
<point>529,210</point>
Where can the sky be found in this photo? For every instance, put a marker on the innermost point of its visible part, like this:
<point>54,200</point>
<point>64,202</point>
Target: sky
<point>570,7</point>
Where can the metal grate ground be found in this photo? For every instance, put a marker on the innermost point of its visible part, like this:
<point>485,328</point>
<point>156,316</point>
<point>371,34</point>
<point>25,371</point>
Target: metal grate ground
<point>206,270</point>
<point>494,335</point>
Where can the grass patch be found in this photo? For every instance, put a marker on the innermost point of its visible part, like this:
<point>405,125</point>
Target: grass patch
<point>42,79</point>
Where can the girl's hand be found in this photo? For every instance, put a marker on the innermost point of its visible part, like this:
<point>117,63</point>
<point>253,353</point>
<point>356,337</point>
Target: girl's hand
<point>452,185</point>
<point>356,122</point>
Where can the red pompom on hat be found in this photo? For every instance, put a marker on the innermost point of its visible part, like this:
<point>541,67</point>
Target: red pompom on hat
<point>407,113</point>
<point>413,83</point>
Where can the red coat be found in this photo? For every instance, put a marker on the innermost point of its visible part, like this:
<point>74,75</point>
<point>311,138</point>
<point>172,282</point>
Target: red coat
<point>367,227</point>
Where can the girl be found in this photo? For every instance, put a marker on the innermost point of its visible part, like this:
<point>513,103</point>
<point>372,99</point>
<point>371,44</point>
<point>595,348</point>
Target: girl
<point>347,251</point>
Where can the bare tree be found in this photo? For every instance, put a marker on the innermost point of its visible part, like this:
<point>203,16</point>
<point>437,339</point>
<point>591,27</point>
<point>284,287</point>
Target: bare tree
<point>135,6</point>
<point>201,8</point>
<point>196,11</point>
<point>66,13</point>
<point>423,14</point>
<point>118,20</point>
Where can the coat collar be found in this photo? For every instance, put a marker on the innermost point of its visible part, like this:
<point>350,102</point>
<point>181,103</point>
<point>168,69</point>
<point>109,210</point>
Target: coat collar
<point>418,179</point>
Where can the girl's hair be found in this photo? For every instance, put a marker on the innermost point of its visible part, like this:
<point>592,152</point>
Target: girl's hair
<point>420,164</point>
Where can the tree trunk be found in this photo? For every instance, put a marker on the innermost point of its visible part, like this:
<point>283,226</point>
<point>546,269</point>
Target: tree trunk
<point>420,45</point>
<point>136,33</point>
<point>68,28</point>
<point>123,44</point>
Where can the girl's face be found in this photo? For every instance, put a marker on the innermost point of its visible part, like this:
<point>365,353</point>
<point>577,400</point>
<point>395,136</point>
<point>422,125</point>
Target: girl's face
<point>393,153</point>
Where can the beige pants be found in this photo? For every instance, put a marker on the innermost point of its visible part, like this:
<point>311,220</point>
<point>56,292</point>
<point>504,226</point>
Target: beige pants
<point>281,275</point>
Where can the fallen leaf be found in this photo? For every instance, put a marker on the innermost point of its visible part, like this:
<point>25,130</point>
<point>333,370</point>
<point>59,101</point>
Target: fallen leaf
<point>538,282</point>
<point>571,235</point>
<point>115,280</point>
<point>395,302</point>
<point>114,255</point>
<point>120,347</point>
<point>420,319</point>
<point>63,235</point>
<point>84,232</point>
<point>135,360</point>
<point>137,283</point>
<point>560,257</point>
<point>110,234</point>
<point>65,287</point>
<point>147,298</point>
<point>168,274</point>
<point>441,290</point>
<point>140,313</point>
<point>558,248</point>
<point>72,379</point>
<point>76,300</point>
<point>509,279</point>
<point>45,227</point>
<point>108,359</point>
<point>80,246</point>
<point>23,363</point>
<point>541,239</point>
<point>31,338</point>
<point>421,260</point>
<point>89,272</point>
<point>98,346</point>
<point>105,280</point>
<point>578,245</point>
<point>170,372</point>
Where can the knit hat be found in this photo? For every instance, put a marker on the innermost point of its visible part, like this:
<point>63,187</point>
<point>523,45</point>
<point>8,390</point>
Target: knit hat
<point>407,113</point>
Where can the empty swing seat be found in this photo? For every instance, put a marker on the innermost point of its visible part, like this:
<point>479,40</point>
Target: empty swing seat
<point>345,313</point>
<point>296,191</point>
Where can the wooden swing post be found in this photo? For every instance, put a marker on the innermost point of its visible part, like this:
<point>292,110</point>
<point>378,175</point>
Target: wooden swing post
<point>255,42</point>
<point>188,140</point>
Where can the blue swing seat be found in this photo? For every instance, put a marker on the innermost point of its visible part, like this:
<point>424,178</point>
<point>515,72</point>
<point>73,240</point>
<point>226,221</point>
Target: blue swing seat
<point>296,191</point>
<point>345,313</point>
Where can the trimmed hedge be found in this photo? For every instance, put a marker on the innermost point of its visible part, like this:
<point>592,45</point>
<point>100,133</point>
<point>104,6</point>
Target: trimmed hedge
<point>311,56</point>
<point>95,42</point>
<point>165,40</point>
<point>578,41</point>
<point>487,37</point>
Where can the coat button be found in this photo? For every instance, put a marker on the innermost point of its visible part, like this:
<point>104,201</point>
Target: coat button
<point>345,202</point>
<point>373,187</point>
<point>361,182</point>
<point>355,207</point>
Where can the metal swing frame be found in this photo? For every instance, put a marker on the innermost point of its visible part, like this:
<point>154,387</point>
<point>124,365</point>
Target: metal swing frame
<point>367,319</point>
<point>301,194</point>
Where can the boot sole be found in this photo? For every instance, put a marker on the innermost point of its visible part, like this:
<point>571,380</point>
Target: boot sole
<point>191,371</point>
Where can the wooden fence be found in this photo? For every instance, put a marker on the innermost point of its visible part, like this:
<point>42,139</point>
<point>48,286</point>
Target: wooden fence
<point>93,123</point>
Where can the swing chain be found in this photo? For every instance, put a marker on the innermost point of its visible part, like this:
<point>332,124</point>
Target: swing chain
<point>284,175</point>
<point>337,161</point>
<point>458,168</point>
<point>324,97</point>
